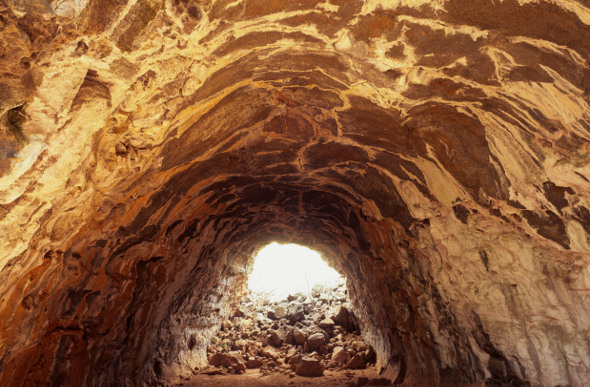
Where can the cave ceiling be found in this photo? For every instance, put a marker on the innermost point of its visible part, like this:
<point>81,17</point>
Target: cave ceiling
<point>437,152</point>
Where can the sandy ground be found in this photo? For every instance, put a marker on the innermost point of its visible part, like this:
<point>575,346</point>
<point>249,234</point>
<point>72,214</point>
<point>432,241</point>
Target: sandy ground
<point>253,378</point>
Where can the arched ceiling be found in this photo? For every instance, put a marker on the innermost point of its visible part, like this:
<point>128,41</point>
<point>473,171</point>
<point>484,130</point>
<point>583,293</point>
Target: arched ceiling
<point>436,151</point>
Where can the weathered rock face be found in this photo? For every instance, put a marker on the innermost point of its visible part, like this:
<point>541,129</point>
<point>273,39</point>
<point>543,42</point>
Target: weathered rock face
<point>436,152</point>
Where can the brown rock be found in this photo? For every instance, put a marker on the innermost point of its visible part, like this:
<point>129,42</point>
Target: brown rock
<point>246,324</point>
<point>346,319</point>
<point>295,359</point>
<point>306,348</point>
<point>226,325</point>
<point>274,338</point>
<point>359,346</point>
<point>231,360</point>
<point>240,345</point>
<point>290,354</point>
<point>357,361</point>
<point>253,362</point>
<point>308,366</point>
<point>316,341</point>
<point>121,149</point>
<point>290,338</point>
<point>295,312</point>
<point>299,337</point>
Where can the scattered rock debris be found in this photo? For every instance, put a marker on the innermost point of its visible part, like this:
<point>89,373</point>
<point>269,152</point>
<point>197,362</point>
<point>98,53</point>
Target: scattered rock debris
<point>304,335</point>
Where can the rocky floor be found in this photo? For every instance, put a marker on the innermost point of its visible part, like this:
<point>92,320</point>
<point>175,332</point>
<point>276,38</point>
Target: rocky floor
<point>304,335</point>
<point>254,378</point>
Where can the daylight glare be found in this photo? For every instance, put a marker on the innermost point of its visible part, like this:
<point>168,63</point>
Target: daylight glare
<point>280,270</point>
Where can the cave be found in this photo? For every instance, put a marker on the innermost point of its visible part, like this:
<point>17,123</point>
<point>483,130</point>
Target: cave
<point>436,153</point>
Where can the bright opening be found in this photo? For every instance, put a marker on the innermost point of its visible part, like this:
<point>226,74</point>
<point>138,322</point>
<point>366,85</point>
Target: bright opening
<point>280,270</point>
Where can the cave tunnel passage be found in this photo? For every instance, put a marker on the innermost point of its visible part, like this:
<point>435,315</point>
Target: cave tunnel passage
<point>199,329</point>
<point>435,153</point>
<point>293,317</point>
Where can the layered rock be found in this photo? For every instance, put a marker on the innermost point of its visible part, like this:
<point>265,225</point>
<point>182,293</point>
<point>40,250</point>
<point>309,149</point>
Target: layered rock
<point>436,153</point>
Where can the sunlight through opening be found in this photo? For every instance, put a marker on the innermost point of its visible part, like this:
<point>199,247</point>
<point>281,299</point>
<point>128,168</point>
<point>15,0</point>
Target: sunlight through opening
<point>280,270</point>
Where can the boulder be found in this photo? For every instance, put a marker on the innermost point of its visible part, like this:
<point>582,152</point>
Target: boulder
<point>290,354</point>
<point>357,361</point>
<point>295,312</point>
<point>297,296</point>
<point>308,366</point>
<point>261,320</point>
<point>339,356</point>
<point>270,352</point>
<point>289,338</point>
<point>316,341</point>
<point>359,346</point>
<point>277,313</point>
<point>326,323</point>
<point>299,337</point>
<point>240,345</point>
<point>346,319</point>
<point>295,359</point>
<point>231,360</point>
<point>274,338</point>
<point>253,362</point>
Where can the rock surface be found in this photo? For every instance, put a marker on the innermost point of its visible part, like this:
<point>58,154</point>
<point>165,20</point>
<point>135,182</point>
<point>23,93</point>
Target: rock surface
<point>319,348</point>
<point>308,366</point>
<point>436,152</point>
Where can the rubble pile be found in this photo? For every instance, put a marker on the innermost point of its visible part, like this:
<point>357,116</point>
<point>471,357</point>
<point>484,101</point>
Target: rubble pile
<point>304,334</point>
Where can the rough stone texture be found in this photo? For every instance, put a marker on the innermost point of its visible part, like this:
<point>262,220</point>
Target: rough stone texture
<point>308,366</point>
<point>232,359</point>
<point>340,356</point>
<point>316,341</point>
<point>436,152</point>
<point>299,337</point>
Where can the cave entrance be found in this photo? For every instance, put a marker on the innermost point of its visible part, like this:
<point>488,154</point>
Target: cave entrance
<point>283,270</point>
<point>293,320</point>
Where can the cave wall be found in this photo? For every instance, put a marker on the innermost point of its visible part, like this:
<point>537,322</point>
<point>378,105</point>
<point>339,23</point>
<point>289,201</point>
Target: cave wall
<point>436,152</point>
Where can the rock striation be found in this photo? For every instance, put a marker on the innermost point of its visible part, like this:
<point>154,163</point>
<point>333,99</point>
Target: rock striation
<point>436,152</point>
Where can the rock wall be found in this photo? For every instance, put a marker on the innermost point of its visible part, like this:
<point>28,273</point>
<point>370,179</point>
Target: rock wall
<point>437,153</point>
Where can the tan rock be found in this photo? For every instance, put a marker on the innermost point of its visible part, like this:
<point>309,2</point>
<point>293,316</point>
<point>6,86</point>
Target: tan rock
<point>339,356</point>
<point>277,313</point>
<point>270,352</point>
<point>326,323</point>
